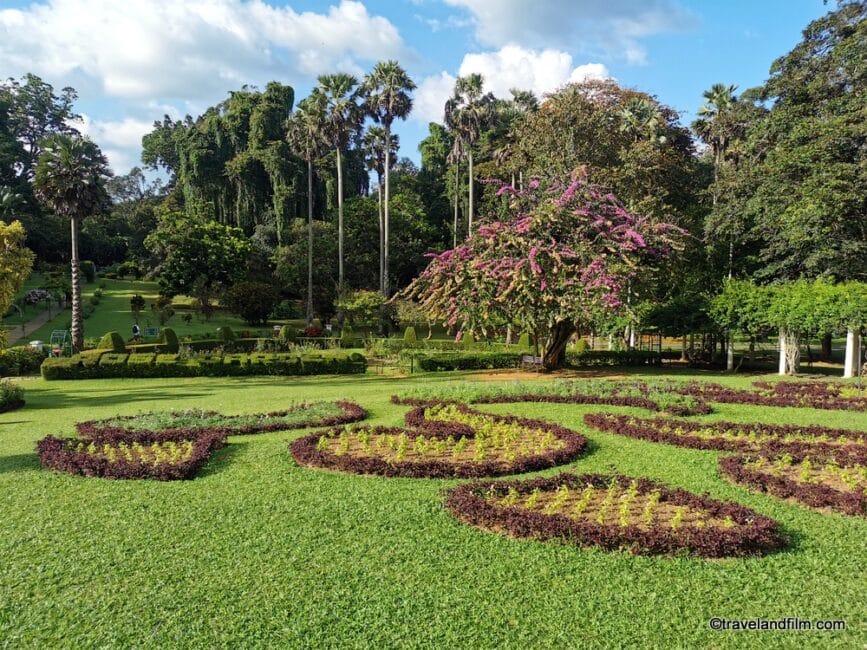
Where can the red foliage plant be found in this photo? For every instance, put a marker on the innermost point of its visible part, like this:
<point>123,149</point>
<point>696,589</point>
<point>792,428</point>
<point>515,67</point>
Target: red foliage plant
<point>739,531</point>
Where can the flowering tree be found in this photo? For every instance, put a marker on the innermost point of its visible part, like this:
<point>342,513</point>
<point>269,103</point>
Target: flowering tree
<point>561,261</point>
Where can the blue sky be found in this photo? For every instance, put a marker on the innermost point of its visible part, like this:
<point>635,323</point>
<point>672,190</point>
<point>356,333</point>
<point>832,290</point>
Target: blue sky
<point>134,60</point>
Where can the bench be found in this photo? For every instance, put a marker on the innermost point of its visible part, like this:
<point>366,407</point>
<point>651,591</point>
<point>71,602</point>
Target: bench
<point>152,331</point>
<point>530,361</point>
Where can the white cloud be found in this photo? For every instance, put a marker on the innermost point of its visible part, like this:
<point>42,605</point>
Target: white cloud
<point>509,67</point>
<point>612,27</point>
<point>192,49</point>
<point>120,140</point>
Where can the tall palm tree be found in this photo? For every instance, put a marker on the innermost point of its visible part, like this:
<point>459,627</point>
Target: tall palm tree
<point>70,180</point>
<point>456,155</point>
<point>306,136</point>
<point>468,112</point>
<point>386,98</point>
<point>343,119</point>
<point>375,154</point>
<point>712,128</point>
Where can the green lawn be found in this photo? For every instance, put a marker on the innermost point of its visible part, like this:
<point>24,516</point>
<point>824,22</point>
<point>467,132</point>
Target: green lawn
<point>260,552</point>
<point>113,313</point>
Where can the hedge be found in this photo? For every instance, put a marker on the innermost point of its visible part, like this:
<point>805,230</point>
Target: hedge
<point>20,361</point>
<point>11,396</point>
<point>110,365</point>
<point>463,360</point>
<point>615,358</point>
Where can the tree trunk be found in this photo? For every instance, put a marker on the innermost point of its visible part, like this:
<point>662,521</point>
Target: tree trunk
<point>340,222</point>
<point>683,356</point>
<point>381,239</point>
<point>386,221</point>
<point>309,242</point>
<point>730,352</point>
<point>853,354</point>
<point>790,353</point>
<point>826,347</point>
<point>457,195</point>
<point>555,353</point>
<point>77,323</point>
<point>470,218</point>
<point>521,180</point>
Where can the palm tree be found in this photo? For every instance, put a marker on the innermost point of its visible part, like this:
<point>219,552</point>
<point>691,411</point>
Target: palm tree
<point>375,155</point>
<point>641,118</point>
<point>469,112</point>
<point>386,98</point>
<point>342,120</point>
<point>305,135</point>
<point>70,179</point>
<point>456,155</point>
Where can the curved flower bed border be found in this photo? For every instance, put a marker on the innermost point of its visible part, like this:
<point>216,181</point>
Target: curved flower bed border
<point>11,406</point>
<point>55,453</point>
<point>702,408</point>
<point>814,496</point>
<point>305,451</point>
<point>784,394</point>
<point>647,429</point>
<point>93,431</point>
<point>756,535</point>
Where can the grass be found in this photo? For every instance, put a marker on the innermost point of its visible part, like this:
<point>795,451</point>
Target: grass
<point>260,552</point>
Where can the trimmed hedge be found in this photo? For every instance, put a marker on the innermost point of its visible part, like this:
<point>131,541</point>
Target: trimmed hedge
<point>112,341</point>
<point>216,365</point>
<point>463,360</point>
<point>22,360</point>
<point>614,358</point>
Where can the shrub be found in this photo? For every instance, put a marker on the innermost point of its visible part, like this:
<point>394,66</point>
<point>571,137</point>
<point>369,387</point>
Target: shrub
<point>347,339</point>
<point>225,334</point>
<point>288,334</point>
<point>137,303</point>
<point>465,360</point>
<point>524,341</point>
<point>11,396</point>
<point>613,358</point>
<point>88,270</point>
<point>169,340</point>
<point>112,341</point>
<point>128,269</point>
<point>19,361</point>
<point>252,301</point>
<point>581,346</point>
<point>409,337</point>
<point>89,366</point>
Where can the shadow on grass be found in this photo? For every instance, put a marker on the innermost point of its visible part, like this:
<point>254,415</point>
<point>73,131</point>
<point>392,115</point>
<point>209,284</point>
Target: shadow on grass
<point>19,463</point>
<point>221,459</point>
<point>108,397</point>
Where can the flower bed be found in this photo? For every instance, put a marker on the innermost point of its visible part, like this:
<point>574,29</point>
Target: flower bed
<point>444,441</point>
<point>165,457</point>
<point>817,395</point>
<point>615,512</point>
<point>836,480</point>
<point>657,397</point>
<point>192,422</point>
<point>727,436</point>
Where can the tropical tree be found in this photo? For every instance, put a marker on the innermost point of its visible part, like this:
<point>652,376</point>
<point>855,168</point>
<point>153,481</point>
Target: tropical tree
<point>306,135</point>
<point>70,180</point>
<point>560,260</point>
<point>386,98</point>
<point>15,264</point>
<point>468,112</point>
<point>343,119</point>
<point>376,152</point>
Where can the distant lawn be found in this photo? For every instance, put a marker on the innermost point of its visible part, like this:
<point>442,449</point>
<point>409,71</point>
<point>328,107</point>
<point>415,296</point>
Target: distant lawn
<point>260,552</point>
<point>114,314</point>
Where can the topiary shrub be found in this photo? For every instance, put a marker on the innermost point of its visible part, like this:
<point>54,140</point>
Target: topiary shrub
<point>581,346</point>
<point>409,336</point>
<point>288,334</point>
<point>169,340</point>
<point>468,340</point>
<point>347,339</point>
<point>112,341</point>
<point>225,334</point>
<point>88,270</point>
<point>524,341</point>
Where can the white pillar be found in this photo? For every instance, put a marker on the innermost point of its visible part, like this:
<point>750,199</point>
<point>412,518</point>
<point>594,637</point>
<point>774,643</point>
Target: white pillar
<point>782,367</point>
<point>730,352</point>
<point>853,354</point>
